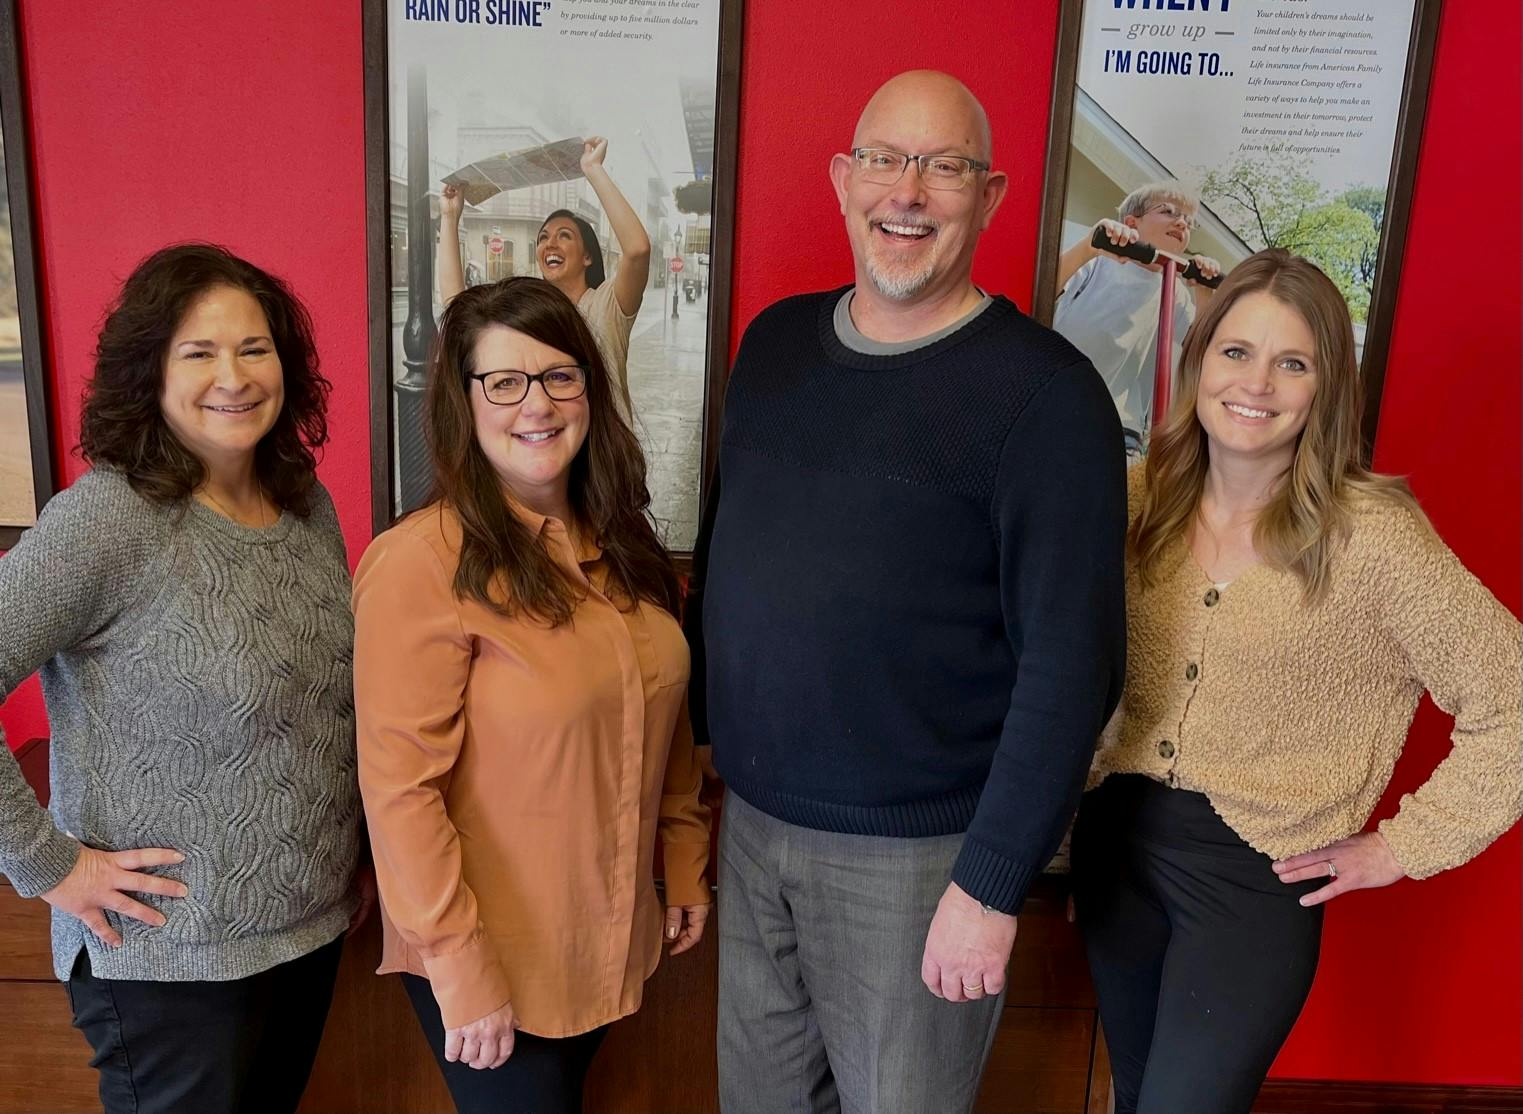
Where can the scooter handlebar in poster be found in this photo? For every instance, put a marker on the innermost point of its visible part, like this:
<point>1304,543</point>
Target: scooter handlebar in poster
<point>1148,254</point>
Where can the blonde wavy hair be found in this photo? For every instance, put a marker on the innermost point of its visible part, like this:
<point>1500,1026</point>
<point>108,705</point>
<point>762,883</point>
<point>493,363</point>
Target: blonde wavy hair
<point>1311,512</point>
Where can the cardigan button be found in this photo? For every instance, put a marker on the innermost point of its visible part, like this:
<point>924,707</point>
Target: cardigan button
<point>1192,671</point>
<point>1212,596</point>
<point>1166,749</point>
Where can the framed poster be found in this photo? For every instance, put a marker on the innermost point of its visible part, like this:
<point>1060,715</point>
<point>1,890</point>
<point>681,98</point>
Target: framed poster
<point>498,132</point>
<point>26,467</point>
<point>1213,129</point>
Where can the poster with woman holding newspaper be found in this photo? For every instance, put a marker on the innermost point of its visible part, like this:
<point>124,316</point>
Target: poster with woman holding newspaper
<point>572,141</point>
<point>1200,136</point>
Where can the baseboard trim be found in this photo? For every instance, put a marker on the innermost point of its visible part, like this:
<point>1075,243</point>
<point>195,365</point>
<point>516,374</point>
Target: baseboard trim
<point>1321,1096</point>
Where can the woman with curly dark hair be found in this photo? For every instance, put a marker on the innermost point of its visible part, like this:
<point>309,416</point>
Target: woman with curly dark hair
<point>186,602</point>
<point>520,680</point>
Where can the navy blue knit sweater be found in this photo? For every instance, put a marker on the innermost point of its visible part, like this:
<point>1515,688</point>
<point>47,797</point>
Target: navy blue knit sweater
<point>909,612</point>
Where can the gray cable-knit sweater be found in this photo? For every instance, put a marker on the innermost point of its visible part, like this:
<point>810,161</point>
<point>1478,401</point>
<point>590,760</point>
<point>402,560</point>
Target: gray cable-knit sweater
<point>199,688</point>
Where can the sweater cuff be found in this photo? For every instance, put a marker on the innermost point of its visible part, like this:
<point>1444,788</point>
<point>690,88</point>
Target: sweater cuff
<point>684,866</point>
<point>45,865</point>
<point>1413,853</point>
<point>991,878</point>
<point>467,984</point>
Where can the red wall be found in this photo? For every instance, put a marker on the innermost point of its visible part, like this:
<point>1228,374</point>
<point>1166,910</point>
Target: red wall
<point>243,123</point>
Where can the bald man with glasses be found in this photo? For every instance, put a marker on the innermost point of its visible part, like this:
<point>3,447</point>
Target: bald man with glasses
<point>907,633</point>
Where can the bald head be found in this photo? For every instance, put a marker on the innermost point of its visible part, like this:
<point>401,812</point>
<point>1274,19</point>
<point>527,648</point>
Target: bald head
<point>926,102</point>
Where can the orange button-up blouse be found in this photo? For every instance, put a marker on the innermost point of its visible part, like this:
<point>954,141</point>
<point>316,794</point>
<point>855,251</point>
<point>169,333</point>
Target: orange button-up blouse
<point>516,778</point>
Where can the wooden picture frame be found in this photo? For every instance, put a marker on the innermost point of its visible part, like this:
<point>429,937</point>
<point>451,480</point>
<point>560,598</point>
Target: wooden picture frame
<point>1417,67</point>
<point>391,369</point>
<point>31,353</point>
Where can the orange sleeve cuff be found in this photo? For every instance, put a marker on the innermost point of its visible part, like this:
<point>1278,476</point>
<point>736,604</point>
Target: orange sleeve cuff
<point>686,867</point>
<point>468,984</point>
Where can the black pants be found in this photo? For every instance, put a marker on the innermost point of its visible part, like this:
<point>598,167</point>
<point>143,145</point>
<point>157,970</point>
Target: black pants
<point>543,1076</point>
<point>1201,956</point>
<point>240,1047</point>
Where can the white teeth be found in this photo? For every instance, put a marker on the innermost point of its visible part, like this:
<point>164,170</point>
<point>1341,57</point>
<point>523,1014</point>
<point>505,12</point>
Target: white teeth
<point>905,229</point>
<point>244,409</point>
<point>536,438</point>
<point>1247,412</point>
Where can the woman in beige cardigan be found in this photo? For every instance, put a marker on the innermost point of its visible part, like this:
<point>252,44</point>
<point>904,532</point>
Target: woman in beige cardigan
<point>1286,609</point>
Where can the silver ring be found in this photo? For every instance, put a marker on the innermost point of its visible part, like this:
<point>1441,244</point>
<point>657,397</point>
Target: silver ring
<point>1332,870</point>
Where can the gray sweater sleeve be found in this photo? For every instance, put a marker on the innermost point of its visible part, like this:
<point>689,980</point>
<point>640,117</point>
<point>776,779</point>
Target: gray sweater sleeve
<point>64,581</point>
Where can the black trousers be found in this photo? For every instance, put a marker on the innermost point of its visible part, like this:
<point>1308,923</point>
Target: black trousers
<point>1201,957</point>
<point>543,1076</point>
<point>240,1047</point>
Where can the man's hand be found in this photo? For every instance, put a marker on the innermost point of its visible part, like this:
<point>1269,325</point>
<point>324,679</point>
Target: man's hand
<point>967,949</point>
<point>102,880</point>
<point>485,1043</point>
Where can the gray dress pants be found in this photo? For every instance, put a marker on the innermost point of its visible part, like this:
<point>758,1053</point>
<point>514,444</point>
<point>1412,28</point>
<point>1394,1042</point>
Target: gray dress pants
<point>821,1007</point>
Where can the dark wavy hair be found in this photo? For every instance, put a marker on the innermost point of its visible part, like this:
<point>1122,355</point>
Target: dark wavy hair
<point>596,271</point>
<point>504,565</point>
<point>122,425</point>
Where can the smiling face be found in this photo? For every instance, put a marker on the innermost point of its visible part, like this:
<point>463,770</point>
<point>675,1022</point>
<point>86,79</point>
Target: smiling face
<point>222,385</point>
<point>529,445</point>
<point>1257,382</point>
<point>910,242</point>
<point>1165,226</point>
<point>562,255</point>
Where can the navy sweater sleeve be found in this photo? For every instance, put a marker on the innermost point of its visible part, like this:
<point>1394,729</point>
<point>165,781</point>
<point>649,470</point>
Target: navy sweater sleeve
<point>1059,512</point>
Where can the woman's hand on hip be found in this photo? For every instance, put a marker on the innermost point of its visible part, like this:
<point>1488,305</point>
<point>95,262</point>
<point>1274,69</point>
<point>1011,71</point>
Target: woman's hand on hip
<point>485,1043</point>
<point>684,925</point>
<point>1360,862</point>
<point>102,880</point>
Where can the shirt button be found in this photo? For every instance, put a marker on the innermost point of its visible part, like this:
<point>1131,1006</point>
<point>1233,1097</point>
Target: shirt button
<point>1212,596</point>
<point>1192,671</point>
<point>1166,749</point>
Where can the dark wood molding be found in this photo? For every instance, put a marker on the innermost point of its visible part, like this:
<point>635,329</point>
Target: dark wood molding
<point>1398,212</point>
<point>722,235</point>
<point>377,260</point>
<point>24,251</point>
<point>1324,1096</point>
<point>1065,80</point>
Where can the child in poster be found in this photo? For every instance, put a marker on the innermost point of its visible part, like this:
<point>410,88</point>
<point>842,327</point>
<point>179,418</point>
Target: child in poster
<point>1108,306</point>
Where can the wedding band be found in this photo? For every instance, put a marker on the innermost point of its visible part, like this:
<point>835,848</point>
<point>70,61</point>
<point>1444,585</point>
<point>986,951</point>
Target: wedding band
<point>976,989</point>
<point>1332,870</point>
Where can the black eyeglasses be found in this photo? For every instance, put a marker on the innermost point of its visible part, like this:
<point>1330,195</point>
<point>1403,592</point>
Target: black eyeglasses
<point>509,388</point>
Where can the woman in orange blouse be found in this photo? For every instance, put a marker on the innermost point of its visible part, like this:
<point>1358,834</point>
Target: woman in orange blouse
<point>523,736</point>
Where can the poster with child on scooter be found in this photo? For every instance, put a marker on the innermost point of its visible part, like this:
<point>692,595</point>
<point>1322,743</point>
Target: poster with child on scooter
<point>1200,132</point>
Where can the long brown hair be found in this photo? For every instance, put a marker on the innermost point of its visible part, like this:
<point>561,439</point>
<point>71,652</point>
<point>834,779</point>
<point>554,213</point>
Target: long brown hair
<point>123,426</point>
<point>1310,513</point>
<point>502,563</point>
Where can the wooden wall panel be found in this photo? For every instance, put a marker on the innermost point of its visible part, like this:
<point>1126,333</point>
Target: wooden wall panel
<point>44,1061</point>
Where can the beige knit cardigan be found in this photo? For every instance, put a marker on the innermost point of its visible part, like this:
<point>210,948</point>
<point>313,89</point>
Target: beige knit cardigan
<point>1290,718</point>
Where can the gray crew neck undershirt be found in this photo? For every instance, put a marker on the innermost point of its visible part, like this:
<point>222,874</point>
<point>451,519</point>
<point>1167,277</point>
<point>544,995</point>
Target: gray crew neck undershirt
<point>848,333</point>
